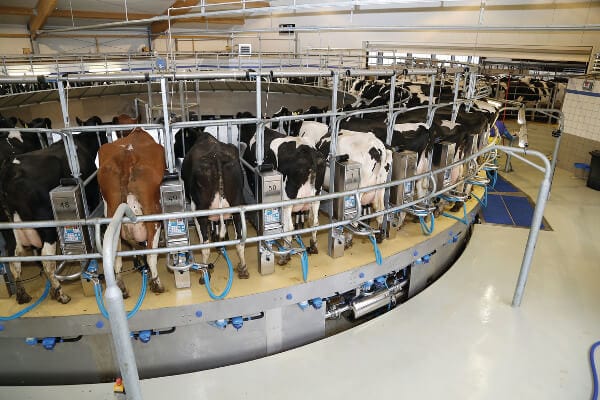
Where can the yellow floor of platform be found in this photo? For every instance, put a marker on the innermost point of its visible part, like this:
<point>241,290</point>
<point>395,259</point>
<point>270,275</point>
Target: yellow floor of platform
<point>320,266</point>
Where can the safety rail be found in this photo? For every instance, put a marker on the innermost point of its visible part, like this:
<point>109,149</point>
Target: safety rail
<point>117,315</point>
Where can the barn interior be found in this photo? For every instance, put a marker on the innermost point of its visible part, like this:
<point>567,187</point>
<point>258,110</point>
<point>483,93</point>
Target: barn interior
<point>466,270</point>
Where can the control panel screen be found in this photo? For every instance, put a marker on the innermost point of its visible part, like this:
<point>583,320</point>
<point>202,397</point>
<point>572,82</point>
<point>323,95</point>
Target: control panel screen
<point>349,202</point>
<point>408,187</point>
<point>73,234</point>
<point>176,227</point>
<point>271,216</point>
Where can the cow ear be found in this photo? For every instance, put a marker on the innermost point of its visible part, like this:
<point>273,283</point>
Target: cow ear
<point>48,123</point>
<point>115,120</point>
<point>79,121</point>
<point>23,123</point>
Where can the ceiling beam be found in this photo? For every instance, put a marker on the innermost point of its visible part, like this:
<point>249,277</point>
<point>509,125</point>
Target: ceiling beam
<point>43,10</point>
<point>15,11</point>
<point>98,15</point>
<point>161,26</point>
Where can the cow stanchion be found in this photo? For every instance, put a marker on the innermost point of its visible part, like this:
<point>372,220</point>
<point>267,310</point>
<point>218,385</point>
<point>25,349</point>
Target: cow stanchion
<point>172,196</point>
<point>346,178</point>
<point>68,204</point>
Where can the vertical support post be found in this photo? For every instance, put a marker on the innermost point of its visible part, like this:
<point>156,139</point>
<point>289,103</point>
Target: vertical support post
<point>431,90</point>
<point>455,106</point>
<point>150,106</point>
<point>260,128</point>
<point>197,89</point>
<point>534,231</point>
<point>182,104</point>
<point>332,151</point>
<point>168,139</point>
<point>390,131</point>
<point>113,299</point>
<point>64,106</point>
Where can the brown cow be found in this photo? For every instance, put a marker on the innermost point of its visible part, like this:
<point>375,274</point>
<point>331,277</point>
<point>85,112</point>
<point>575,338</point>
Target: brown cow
<point>131,171</point>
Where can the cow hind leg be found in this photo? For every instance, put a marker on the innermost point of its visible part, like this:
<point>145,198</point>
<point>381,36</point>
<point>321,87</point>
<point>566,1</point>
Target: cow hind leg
<point>379,205</point>
<point>56,292</point>
<point>202,231</point>
<point>118,267</point>
<point>154,233</point>
<point>15,268</point>
<point>314,220</point>
<point>288,225</point>
<point>242,269</point>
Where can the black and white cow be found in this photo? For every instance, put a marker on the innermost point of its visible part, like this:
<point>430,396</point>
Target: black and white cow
<point>303,170</point>
<point>361,147</point>
<point>24,194</point>
<point>213,178</point>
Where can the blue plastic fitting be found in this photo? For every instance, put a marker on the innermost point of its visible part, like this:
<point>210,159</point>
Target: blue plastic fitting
<point>237,322</point>
<point>49,343</point>
<point>99,324</point>
<point>317,302</point>
<point>1,328</point>
<point>303,305</point>
<point>2,269</point>
<point>361,275</point>
<point>454,238</point>
<point>415,253</point>
<point>367,285</point>
<point>289,296</point>
<point>426,258</point>
<point>380,281</point>
<point>221,323</point>
<point>199,314</point>
<point>92,267</point>
<point>31,341</point>
<point>145,336</point>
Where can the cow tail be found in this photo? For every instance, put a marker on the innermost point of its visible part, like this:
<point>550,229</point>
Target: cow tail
<point>222,229</point>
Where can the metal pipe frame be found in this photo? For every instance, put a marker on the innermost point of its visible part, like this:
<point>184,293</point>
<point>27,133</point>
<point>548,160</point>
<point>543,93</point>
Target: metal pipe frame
<point>113,298</point>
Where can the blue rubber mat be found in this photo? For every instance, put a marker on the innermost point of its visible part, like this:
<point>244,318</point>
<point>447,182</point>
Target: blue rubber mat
<point>507,205</point>
<point>503,186</point>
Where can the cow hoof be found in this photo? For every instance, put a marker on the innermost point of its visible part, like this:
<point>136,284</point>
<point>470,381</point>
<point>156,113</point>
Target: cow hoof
<point>348,244</point>
<point>58,295</point>
<point>202,281</point>
<point>22,296</point>
<point>456,207</point>
<point>243,272</point>
<point>156,286</point>
<point>123,288</point>
<point>284,259</point>
<point>312,249</point>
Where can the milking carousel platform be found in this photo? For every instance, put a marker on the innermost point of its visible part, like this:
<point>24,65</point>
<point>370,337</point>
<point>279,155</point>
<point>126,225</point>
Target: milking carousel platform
<point>184,330</point>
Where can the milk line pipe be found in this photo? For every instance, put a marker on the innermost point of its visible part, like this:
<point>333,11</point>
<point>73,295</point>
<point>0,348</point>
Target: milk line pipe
<point>205,75</point>
<point>113,299</point>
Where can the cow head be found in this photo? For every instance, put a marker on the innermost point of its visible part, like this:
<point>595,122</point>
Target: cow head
<point>247,131</point>
<point>124,119</point>
<point>7,122</point>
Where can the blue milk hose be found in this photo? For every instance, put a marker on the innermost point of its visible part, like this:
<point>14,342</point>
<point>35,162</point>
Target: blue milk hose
<point>378,258</point>
<point>594,371</point>
<point>138,304</point>
<point>229,279</point>
<point>427,230</point>
<point>24,311</point>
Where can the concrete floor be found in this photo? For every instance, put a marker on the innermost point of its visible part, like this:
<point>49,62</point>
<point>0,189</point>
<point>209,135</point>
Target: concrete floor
<point>459,339</point>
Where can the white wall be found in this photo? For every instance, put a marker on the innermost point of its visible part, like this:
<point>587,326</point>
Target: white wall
<point>581,108</point>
